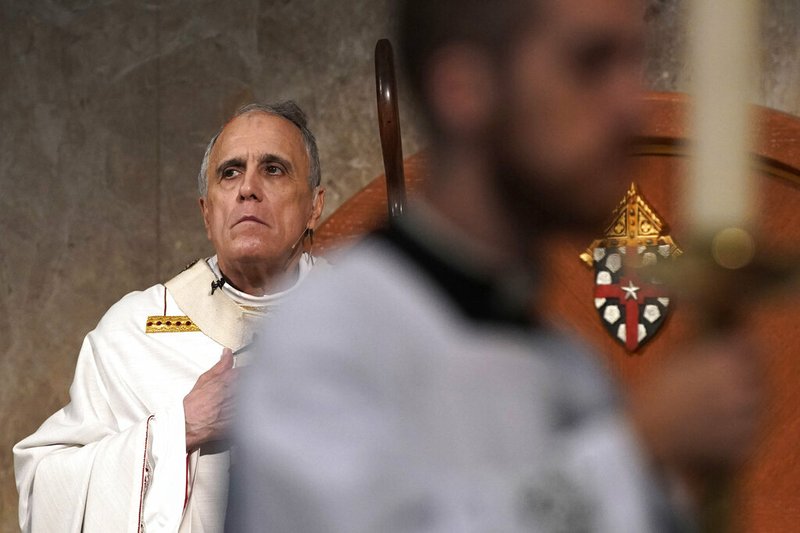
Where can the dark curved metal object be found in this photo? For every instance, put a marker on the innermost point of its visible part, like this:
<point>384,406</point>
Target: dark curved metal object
<point>389,125</point>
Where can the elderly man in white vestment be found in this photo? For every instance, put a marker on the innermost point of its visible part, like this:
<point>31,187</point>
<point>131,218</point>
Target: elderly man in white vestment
<point>413,388</point>
<point>142,445</point>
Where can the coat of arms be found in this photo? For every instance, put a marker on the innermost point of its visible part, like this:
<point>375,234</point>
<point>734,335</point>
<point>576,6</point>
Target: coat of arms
<point>631,302</point>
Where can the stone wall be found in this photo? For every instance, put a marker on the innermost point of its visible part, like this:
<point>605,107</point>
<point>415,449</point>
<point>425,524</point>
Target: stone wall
<point>105,109</point>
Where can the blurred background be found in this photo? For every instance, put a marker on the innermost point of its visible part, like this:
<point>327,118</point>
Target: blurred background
<point>106,107</point>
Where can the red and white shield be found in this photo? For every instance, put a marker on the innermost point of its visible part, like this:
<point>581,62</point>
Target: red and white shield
<point>631,307</point>
<point>632,304</point>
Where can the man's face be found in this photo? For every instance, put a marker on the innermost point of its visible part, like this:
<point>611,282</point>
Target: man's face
<point>569,108</point>
<point>259,201</point>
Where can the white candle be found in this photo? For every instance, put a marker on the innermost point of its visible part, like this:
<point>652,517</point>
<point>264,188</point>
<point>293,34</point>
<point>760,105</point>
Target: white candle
<point>723,54</point>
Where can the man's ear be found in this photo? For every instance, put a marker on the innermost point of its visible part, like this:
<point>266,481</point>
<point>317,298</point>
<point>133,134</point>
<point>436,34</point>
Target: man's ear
<point>203,203</point>
<point>461,89</point>
<point>317,205</point>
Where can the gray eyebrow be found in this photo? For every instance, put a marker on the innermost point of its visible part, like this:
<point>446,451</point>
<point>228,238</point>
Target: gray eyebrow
<point>275,158</point>
<point>234,161</point>
<point>262,160</point>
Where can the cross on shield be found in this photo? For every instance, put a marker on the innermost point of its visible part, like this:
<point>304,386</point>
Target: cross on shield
<point>631,302</point>
<point>631,308</point>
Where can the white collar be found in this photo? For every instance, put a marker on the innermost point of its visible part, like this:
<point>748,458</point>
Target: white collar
<point>268,300</point>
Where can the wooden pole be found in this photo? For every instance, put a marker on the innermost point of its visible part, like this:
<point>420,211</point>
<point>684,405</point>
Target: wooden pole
<point>389,125</point>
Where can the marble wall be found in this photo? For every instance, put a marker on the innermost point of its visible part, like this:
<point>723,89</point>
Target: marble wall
<point>105,109</point>
<point>779,84</point>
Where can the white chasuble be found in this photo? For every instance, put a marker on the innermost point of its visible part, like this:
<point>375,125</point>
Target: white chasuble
<point>114,458</point>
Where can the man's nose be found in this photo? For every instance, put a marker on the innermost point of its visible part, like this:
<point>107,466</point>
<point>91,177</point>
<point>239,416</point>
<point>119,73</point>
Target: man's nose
<point>249,187</point>
<point>627,100</point>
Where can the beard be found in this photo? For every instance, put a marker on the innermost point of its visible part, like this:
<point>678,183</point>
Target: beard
<point>576,197</point>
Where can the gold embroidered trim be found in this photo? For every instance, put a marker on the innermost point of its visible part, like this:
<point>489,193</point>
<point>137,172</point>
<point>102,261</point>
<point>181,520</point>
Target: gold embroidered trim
<point>169,324</point>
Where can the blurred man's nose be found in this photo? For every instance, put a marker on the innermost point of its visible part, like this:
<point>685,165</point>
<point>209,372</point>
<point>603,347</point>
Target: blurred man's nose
<point>626,97</point>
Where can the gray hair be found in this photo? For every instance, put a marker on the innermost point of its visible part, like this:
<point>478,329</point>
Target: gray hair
<point>287,110</point>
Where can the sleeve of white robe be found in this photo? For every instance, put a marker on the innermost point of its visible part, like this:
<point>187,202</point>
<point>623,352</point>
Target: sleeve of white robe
<point>88,469</point>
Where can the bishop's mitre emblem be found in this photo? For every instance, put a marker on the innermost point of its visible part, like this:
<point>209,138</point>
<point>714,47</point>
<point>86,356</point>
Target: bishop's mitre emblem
<point>631,302</point>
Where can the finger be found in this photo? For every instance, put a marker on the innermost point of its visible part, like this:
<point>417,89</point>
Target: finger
<point>225,361</point>
<point>227,379</point>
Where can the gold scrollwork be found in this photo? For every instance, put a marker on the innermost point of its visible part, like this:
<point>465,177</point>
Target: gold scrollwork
<point>634,223</point>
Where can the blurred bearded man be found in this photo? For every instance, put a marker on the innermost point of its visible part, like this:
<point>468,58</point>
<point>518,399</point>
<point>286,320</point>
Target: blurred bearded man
<point>436,400</point>
<point>142,445</point>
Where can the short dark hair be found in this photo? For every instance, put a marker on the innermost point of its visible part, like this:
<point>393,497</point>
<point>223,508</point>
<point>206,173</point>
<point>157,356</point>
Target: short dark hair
<point>425,26</point>
<point>287,110</point>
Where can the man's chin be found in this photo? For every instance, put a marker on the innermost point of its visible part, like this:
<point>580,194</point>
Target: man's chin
<point>249,254</point>
<point>579,208</point>
<point>580,199</point>
<point>591,203</point>
<point>567,216</point>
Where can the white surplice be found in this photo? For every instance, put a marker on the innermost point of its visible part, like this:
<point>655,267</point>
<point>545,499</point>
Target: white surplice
<point>389,411</point>
<point>114,458</point>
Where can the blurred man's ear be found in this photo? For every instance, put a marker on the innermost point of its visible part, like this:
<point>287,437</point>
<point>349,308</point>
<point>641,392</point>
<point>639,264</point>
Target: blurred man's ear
<point>461,89</point>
